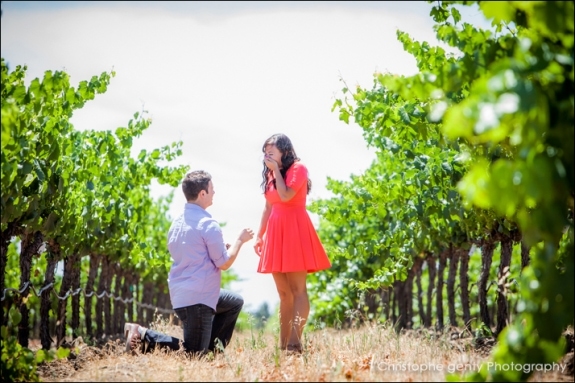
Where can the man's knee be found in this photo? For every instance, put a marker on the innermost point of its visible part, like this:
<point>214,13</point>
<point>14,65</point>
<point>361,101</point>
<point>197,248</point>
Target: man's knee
<point>239,302</point>
<point>230,301</point>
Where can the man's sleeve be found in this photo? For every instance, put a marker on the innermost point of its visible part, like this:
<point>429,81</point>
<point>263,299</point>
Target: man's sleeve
<point>216,247</point>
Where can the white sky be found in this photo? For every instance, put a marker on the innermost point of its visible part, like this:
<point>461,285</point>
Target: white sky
<point>223,77</point>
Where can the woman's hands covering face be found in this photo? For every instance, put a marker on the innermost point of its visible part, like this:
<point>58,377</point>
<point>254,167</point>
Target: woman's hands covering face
<point>270,163</point>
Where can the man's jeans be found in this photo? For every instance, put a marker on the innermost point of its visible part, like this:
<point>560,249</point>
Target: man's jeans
<point>201,325</point>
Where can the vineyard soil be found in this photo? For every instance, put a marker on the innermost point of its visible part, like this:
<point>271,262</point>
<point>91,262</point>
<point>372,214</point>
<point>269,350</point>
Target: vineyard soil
<point>369,353</point>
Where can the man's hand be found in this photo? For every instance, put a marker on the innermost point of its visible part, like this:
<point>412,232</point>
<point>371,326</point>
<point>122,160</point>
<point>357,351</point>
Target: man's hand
<point>246,235</point>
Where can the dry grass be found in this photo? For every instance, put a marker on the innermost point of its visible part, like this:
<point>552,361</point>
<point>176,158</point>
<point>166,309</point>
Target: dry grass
<point>370,353</point>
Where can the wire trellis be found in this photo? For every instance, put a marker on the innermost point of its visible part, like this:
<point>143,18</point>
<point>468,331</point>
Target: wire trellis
<point>80,289</point>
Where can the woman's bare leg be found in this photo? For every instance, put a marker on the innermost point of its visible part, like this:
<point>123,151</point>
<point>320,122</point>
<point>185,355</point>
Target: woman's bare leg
<point>286,308</point>
<point>297,285</point>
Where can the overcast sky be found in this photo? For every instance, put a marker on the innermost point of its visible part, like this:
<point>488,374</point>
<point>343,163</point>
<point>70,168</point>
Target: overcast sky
<point>223,77</point>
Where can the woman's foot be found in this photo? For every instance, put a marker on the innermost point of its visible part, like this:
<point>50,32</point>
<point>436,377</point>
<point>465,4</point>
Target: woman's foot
<point>294,348</point>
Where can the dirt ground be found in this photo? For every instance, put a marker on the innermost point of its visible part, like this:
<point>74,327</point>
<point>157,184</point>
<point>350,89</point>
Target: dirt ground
<point>368,354</point>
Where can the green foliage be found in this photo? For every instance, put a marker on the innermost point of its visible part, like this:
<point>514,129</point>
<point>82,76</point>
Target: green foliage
<point>19,364</point>
<point>477,145</point>
<point>82,190</point>
<point>535,338</point>
<point>13,281</point>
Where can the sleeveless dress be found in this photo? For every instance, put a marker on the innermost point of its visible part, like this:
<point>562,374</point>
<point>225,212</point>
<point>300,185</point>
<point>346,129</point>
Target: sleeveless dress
<point>290,243</point>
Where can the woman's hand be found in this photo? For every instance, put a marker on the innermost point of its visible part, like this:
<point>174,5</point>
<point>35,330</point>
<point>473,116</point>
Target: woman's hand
<point>271,163</point>
<point>258,247</point>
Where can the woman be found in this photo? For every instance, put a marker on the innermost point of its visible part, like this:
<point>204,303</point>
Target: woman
<point>287,242</point>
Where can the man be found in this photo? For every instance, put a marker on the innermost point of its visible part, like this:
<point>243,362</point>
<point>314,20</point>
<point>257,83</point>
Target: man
<point>198,251</point>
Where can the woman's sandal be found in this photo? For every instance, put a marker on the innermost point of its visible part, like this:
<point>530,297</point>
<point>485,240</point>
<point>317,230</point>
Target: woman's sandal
<point>294,349</point>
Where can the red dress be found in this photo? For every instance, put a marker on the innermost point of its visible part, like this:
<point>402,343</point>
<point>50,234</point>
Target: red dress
<point>291,243</point>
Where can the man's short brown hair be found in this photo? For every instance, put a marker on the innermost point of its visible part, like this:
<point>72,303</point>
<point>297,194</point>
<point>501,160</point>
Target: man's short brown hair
<point>194,183</point>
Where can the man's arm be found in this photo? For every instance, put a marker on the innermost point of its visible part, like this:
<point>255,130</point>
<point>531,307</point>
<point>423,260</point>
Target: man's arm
<point>245,235</point>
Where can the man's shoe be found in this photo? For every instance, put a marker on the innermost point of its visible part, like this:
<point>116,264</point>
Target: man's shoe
<point>131,330</point>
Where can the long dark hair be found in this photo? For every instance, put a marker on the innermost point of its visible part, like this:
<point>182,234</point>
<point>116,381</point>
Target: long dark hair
<point>284,145</point>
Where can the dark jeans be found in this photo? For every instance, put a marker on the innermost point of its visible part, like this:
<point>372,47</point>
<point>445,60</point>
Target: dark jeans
<point>201,325</point>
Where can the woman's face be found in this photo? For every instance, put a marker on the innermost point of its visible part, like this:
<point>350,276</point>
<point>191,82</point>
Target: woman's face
<point>274,153</point>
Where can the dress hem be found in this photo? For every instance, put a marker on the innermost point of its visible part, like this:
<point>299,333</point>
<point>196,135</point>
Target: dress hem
<point>291,271</point>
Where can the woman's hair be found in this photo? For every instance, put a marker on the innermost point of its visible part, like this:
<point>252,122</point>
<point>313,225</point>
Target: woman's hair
<point>284,145</point>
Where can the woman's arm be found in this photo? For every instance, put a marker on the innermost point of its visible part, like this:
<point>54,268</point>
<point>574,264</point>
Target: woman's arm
<point>284,192</point>
<point>263,225</point>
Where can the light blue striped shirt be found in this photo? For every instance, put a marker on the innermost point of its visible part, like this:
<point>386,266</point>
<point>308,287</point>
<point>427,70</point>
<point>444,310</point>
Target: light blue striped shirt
<point>197,247</point>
